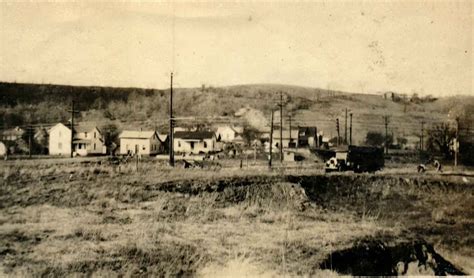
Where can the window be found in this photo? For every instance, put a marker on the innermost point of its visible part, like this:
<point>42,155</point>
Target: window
<point>179,144</point>
<point>192,145</point>
<point>205,145</point>
<point>94,143</point>
<point>60,145</point>
<point>85,134</point>
<point>94,136</point>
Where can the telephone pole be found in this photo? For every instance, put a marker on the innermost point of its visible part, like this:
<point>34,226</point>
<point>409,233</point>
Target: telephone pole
<point>30,131</point>
<point>338,134</point>
<point>73,112</point>
<point>171,135</point>
<point>345,128</point>
<point>422,134</point>
<point>289,119</point>
<point>456,143</point>
<point>271,143</point>
<point>281,126</point>
<point>350,129</point>
<point>386,133</point>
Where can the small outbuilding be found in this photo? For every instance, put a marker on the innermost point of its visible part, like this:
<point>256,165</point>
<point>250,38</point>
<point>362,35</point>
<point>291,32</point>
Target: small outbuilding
<point>3,149</point>
<point>195,142</point>
<point>141,142</point>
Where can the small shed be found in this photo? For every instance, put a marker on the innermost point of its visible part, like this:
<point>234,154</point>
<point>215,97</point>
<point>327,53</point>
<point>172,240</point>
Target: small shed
<point>3,149</point>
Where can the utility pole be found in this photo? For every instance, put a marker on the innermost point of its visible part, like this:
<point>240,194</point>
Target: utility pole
<point>456,143</point>
<point>422,134</point>
<point>73,112</point>
<point>72,127</point>
<point>271,143</point>
<point>281,126</point>
<point>350,129</point>
<point>386,133</point>
<point>136,158</point>
<point>345,128</point>
<point>289,118</point>
<point>30,131</point>
<point>338,134</point>
<point>171,135</point>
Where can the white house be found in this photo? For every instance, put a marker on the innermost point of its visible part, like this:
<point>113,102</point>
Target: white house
<point>195,142</point>
<point>60,140</point>
<point>86,141</point>
<point>229,133</point>
<point>141,142</point>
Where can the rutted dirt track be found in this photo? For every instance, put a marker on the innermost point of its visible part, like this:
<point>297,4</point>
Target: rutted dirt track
<point>143,227</point>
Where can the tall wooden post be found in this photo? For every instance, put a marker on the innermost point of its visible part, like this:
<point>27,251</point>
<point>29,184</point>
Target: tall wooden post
<point>386,134</point>
<point>456,144</point>
<point>30,131</point>
<point>271,142</point>
<point>72,127</point>
<point>289,118</point>
<point>281,127</point>
<point>350,129</point>
<point>345,128</point>
<point>422,142</point>
<point>171,135</point>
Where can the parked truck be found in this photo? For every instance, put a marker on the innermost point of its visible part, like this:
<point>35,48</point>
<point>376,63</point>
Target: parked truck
<point>356,158</point>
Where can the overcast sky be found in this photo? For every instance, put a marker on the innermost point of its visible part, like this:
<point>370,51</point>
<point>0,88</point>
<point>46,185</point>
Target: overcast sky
<point>354,46</point>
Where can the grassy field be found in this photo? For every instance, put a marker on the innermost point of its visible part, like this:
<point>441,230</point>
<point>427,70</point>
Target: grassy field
<point>67,217</point>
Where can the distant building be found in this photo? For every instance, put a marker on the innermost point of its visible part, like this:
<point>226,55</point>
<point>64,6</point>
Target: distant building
<point>289,140</point>
<point>413,142</point>
<point>229,133</point>
<point>164,139</point>
<point>89,141</point>
<point>41,140</point>
<point>195,142</point>
<point>3,149</point>
<point>141,142</point>
<point>60,140</point>
<point>13,134</point>
<point>395,97</point>
<point>86,141</point>
<point>308,137</point>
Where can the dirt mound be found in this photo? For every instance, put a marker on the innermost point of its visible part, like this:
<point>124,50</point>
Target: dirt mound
<point>268,195</point>
<point>377,258</point>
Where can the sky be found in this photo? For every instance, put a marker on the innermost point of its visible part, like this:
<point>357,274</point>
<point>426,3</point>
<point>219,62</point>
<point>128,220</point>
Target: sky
<point>364,47</point>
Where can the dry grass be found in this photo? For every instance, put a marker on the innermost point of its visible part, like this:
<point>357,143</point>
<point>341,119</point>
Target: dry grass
<point>63,219</point>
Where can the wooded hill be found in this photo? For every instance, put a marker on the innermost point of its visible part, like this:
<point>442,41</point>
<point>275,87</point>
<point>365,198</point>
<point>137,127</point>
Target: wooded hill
<point>22,104</point>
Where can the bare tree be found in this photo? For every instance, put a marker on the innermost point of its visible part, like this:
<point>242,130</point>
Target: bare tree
<point>439,139</point>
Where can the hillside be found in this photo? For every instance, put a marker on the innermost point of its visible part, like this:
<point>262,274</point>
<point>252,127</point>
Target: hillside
<point>148,108</point>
